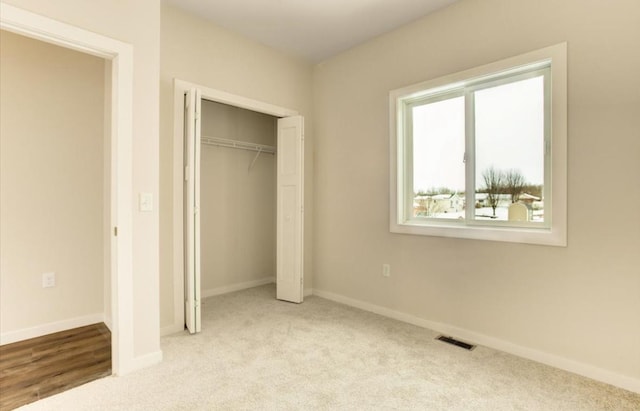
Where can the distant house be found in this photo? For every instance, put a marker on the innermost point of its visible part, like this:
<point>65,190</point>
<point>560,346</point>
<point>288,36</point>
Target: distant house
<point>528,199</point>
<point>504,200</point>
<point>428,205</point>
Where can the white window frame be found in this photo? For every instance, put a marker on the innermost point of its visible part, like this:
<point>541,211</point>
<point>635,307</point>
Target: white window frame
<point>554,229</point>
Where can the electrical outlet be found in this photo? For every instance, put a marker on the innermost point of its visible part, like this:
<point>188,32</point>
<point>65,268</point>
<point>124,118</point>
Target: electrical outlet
<point>48,280</point>
<point>386,270</point>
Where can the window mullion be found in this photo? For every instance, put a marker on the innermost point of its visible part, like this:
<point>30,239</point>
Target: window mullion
<point>470,155</point>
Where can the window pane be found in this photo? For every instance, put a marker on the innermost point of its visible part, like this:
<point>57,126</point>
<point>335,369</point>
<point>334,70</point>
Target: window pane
<point>438,159</point>
<point>509,143</point>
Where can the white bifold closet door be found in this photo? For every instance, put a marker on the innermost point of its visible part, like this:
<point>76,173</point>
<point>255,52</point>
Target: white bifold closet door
<point>193,103</point>
<point>290,206</point>
<point>290,209</point>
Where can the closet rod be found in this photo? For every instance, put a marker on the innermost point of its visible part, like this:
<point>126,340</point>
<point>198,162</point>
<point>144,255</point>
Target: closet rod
<point>242,145</point>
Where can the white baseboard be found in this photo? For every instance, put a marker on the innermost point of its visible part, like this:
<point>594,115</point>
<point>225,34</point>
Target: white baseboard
<point>171,329</point>
<point>586,370</point>
<point>236,287</point>
<point>107,321</point>
<point>176,328</point>
<point>49,328</point>
<point>141,362</point>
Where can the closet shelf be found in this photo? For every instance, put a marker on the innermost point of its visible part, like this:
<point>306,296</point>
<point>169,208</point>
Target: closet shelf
<point>242,145</point>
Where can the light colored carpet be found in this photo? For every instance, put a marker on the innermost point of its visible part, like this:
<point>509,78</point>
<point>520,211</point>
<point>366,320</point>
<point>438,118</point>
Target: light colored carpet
<point>256,353</point>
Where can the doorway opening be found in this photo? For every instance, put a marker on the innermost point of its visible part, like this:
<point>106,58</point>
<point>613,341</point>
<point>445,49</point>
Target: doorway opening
<point>118,121</point>
<point>242,221</point>
<point>54,235</point>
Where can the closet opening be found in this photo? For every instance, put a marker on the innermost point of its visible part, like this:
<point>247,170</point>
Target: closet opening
<point>242,198</point>
<point>237,198</point>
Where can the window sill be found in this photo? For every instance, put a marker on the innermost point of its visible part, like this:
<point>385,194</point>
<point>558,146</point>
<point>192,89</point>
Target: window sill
<point>538,236</point>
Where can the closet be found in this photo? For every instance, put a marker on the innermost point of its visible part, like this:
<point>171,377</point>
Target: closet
<point>237,198</point>
<point>243,198</point>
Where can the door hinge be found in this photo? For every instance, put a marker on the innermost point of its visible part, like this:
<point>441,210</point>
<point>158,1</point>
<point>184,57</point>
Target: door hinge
<point>196,210</point>
<point>115,231</point>
<point>186,173</point>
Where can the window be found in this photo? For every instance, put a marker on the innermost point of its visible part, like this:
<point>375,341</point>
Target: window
<point>482,154</point>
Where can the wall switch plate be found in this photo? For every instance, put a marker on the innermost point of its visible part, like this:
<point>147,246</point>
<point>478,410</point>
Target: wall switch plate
<point>146,202</point>
<point>386,270</point>
<point>48,280</point>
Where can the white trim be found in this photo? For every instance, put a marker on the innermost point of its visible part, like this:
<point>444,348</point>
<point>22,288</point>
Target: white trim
<point>556,235</point>
<point>146,360</point>
<point>121,55</point>
<point>180,87</point>
<point>236,287</point>
<point>109,202</point>
<point>223,97</point>
<point>176,328</point>
<point>50,328</point>
<point>179,90</point>
<point>567,364</point>
<point>107,321</point>
<point>61,34</point>
<point>171,329</point>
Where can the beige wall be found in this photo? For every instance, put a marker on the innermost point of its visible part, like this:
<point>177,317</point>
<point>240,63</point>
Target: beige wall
<point>51,198</point>
<point>197,51</point>
<point>137,23</point>
<point>237,205</point>
<point>581,302</point>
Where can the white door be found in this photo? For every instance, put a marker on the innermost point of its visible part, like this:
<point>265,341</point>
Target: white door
<point>193,103</point>
<point>290,209</point>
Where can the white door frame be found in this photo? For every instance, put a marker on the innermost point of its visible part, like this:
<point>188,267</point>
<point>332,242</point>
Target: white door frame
<point>192,144</point>
<point>208,93</point>
<point>120,54</point>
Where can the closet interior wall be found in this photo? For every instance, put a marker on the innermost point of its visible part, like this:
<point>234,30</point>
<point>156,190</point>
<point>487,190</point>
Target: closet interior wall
<point>238,202</point>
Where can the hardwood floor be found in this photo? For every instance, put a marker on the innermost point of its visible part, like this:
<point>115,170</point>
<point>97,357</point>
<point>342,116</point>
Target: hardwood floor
<point>43,366</point>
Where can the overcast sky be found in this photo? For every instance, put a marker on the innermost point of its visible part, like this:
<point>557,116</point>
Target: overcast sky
<point>509,135</point>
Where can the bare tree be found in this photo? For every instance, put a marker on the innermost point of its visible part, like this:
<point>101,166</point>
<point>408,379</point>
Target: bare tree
<point>493,182</point>
<point>514,184</point>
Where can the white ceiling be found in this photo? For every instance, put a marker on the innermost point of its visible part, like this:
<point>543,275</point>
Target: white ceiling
<point>312,29</point>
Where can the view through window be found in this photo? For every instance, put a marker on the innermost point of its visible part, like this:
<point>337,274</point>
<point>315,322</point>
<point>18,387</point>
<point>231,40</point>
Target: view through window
<point>508,141</point>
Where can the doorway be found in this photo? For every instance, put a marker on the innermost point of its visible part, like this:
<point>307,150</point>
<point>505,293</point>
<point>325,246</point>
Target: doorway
<point>119,133</point>
<point>288,127</point>
<point>54,219</point>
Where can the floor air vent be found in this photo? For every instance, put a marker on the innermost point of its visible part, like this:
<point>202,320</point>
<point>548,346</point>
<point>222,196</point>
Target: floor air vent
<point>457,343</point>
